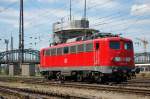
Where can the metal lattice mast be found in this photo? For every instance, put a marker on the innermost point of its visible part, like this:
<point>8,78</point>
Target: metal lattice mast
<point>11,47</point>
<point>21,33</point>
<point>70,10</point>
<point>85,5</point>
<point>11,44</point>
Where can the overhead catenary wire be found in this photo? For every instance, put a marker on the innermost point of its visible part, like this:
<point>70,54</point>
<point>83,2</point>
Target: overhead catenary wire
<point>107,21</point>
<point>38,24</point>
<point>44,15</point>
<point>128,26</point>
<point>46,12</point>
<point>111,20</point>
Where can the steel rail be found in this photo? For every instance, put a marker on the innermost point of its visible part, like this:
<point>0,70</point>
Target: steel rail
<point>28,93</point>
<point>127,87</point>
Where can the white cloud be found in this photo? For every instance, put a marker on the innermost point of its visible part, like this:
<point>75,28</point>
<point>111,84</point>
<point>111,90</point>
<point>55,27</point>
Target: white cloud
<point>47,16</point>
<point>144,22</point>
<point>143,9</point>
<point>10,17</point>
<point>33,17</point>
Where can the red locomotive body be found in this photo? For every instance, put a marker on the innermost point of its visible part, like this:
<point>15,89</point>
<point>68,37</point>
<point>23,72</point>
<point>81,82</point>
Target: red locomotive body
<point>96,59</point>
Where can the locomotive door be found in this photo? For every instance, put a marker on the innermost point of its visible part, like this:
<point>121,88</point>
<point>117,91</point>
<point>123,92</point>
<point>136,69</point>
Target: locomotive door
<point>97,54</point>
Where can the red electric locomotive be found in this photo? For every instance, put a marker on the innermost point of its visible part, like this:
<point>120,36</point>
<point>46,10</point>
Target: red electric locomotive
<point>101,58</point>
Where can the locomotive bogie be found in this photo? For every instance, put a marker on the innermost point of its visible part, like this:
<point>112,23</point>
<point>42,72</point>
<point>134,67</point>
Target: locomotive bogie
<point>117,75</point>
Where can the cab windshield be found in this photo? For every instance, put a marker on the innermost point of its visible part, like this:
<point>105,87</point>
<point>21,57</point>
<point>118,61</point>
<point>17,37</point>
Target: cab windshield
<point>114,44</point>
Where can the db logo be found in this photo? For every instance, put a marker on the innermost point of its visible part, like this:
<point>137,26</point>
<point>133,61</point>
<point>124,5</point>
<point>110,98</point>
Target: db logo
<point>65,60</point>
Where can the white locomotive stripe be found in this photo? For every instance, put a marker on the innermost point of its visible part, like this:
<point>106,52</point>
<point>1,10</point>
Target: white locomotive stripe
<point>103,69</point>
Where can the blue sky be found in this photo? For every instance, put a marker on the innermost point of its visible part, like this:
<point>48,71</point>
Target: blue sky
<point>129,17</point>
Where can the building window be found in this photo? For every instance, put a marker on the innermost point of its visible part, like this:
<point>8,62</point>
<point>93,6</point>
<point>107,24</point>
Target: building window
<point>89,47</point>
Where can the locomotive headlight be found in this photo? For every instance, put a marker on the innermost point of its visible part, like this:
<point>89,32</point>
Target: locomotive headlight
<point>128,59</point>
<point>117,59</point>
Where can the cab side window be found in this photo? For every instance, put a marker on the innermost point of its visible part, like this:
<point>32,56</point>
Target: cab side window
<point>47,52</point>
<point>128,45</point>
<point>59,51</point>
<point>89,47</point>
<point>53,52</point>
<point>66,50</point>
<point>80,48</point>
<point>72,49</point>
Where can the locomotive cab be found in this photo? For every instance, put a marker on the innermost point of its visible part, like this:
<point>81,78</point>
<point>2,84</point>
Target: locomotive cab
<point>121,57</point>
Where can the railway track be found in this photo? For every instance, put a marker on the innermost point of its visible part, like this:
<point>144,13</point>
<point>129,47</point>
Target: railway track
<point>111,88</point>
<point>127,88</point>
<point>123,88</point>
<point>134,84</point>
<point>130,88</point>
<point>15,92</point>
<point>25,93</point>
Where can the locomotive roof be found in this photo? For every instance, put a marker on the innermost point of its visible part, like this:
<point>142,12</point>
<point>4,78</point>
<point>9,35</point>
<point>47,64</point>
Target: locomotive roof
<point>87,41</point>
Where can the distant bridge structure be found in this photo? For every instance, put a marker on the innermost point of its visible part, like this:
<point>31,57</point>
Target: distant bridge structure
<point>12,57</point>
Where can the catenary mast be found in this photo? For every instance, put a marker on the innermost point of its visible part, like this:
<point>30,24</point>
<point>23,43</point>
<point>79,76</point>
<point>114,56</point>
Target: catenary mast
<point>21,33</point>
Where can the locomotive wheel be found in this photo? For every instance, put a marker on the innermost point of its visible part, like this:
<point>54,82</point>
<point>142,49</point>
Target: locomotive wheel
<point>73,76</point>
<point>129,76</point>
<point>118,80</point>
<point>79,78</point>
<point>62,78</point>
<point>124,79</point>
<point>49,78</point>
<point>98,77</point>
<point>99,80</point>
<point>46,77</point>
<point>58,76</point>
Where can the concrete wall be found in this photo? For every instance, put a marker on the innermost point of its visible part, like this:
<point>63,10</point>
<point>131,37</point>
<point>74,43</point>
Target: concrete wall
<point>14,70</point>
<point>28,69</point>
<point>37,71</point>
